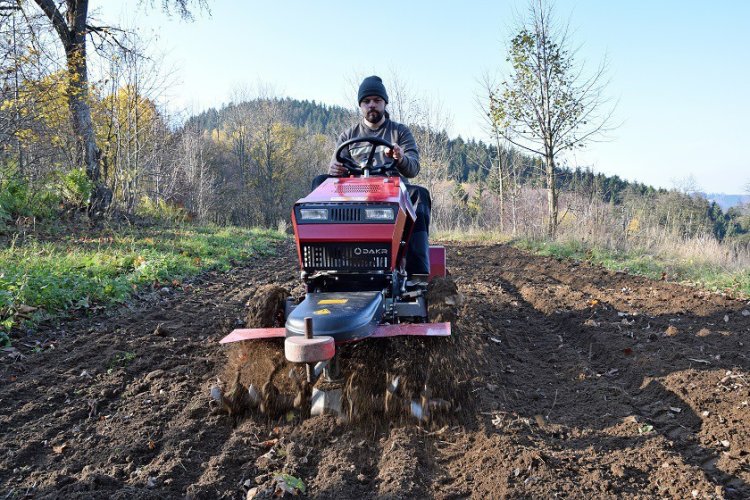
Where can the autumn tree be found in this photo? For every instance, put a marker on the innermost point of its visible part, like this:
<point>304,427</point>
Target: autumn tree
<point>267,162</point>
<point>21,62</point>
<point>546,105</point>
<point>41,128</point>
<point>276,161</point>
<point>70,21</point>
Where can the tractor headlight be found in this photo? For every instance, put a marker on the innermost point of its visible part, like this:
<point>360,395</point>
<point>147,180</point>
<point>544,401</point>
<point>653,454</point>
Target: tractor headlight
<point>313,213</point>
<point>379,214</point>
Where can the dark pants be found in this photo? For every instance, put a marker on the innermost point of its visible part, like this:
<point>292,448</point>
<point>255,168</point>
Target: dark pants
<point>418,253</point>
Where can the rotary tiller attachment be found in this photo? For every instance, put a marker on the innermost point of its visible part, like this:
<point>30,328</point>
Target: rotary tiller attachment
<point>424,409</point>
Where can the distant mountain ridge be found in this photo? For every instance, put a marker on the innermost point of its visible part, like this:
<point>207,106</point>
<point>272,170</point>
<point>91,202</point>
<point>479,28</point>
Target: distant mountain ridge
<point>727,201</point>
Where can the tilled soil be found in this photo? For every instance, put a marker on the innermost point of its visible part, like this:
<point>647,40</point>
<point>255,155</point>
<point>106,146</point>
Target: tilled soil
<point>581,383</point>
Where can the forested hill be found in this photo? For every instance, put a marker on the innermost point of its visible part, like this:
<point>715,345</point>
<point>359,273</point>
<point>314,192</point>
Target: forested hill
<point>313,117</point>
<point>468,160</point>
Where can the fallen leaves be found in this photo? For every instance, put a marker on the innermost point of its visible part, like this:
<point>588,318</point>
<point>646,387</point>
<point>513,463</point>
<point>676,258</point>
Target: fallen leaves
<point>269,443</point>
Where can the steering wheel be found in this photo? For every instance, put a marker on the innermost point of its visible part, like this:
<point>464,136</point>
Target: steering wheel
<point>353,168</point>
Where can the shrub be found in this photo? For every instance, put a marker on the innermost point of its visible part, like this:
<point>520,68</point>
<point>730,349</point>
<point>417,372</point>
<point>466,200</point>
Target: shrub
<point>14,198</point>
<point>76,187</point>
<point>161,210</point>
<point>19,199</point>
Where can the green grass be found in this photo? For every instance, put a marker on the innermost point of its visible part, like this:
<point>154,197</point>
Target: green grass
<point>121,359</point>
<point>702,274</point>
<point>470,236</point>
<point>80,271</point>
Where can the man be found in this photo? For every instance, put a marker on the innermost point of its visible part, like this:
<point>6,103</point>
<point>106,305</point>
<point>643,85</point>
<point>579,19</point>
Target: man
<point>373,98</point>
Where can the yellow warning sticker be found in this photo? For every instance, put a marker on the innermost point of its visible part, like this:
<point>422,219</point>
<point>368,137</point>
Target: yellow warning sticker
<point>322,311</point>
<point>326,302</point>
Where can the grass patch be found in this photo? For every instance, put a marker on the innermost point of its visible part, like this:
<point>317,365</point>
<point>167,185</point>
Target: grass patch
<point>121,359</point>
<point>78,270</point>
<point>703,274</point>
<point>470,236</point>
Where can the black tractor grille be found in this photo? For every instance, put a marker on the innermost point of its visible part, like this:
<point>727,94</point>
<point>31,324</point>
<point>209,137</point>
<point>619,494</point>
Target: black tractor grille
<point>349,256</point>
<point>346,214</point>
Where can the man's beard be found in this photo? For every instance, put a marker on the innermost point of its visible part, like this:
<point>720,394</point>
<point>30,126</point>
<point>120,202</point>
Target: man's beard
<point>374,116</point>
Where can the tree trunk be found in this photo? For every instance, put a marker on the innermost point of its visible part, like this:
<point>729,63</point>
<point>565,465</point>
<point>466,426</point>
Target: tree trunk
<point>86,150</point>
<point>72,34</point>
<point>551,197</point>
<point>499,153</point>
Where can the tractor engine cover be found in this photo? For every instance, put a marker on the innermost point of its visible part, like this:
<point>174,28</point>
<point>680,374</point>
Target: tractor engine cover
<point>345,316</point>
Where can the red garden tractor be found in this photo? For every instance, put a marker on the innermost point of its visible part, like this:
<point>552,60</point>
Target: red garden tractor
<point>352,235</point>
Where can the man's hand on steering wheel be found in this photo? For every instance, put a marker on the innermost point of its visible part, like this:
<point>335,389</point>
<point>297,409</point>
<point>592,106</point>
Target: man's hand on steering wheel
<point>396,153</point>
<point>337,169</point>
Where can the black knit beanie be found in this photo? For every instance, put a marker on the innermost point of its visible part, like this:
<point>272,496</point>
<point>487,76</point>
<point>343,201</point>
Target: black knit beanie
<point>372,85</point>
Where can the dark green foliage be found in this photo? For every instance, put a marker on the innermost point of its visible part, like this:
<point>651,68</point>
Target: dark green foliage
<point>76,187</point>
<point>313,117</point>
<point>19,199</point>
<point>737,223</point>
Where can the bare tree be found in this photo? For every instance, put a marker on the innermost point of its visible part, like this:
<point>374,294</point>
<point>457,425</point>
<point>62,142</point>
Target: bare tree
<point>686,185</point>
<point>547,105</point>
<point>196,179</point>
<point>514,166</point>
<point>404,106</point>
<point>430,131</point>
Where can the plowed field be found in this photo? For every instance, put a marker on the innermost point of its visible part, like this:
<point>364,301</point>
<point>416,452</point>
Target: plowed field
<point>582,383</point>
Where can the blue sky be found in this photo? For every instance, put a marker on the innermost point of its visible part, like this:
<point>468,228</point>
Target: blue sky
<point>679,70</point>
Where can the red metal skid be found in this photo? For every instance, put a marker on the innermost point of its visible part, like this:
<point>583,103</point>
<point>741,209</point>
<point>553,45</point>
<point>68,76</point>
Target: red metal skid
<point>253,334</point>
<point>408,329</point>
